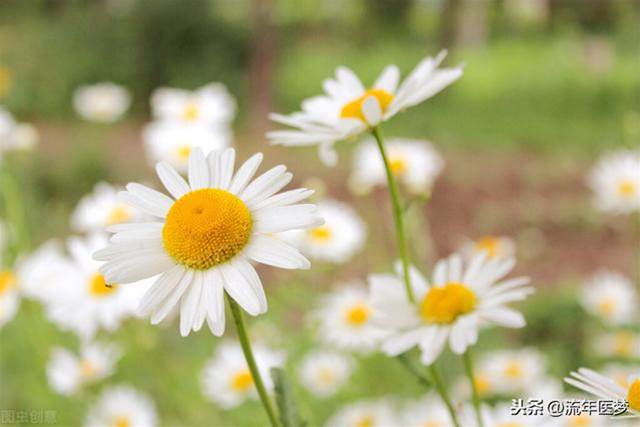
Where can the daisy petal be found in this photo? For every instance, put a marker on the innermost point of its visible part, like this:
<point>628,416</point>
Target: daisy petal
<point>189,304</point>
<point>245,173</point>
<point>169,303</point>
<point>198,170</point>
<point>272,251</point>
<point>172,181</point>
<point>371,110</point>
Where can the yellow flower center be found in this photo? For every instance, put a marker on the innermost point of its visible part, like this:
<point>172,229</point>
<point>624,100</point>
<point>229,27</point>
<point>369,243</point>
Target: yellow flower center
<point>398,164</point>
<point>326,375</point>
<point>242,381</point>
<point>482,384</point>
<point>7,281</point>
<point>353,109</point>
<point>623,343</point>
<point>191,112</point>
<point>580,421</point>
<point>513,370</point>
<point>87,369</point>
<point>98,286</point>
<point>122,421</point>
<point>444,304</point>
<point>183,152</point>
<point>119,214</point>
<point>626,188</point>
<point>321,234</point>
<point>607,306</point>
<point>206,227</point>
<point>357,315</point>
<point>366,421</point>
<point>433,424</point>
<point>633,396</point>
<point>489,244</point>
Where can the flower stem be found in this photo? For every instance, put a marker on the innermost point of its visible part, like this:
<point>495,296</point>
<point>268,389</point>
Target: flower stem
<point>245,343</point>
<point>398,214</point>
<point>15,210</point>
<point>442,390</point>
<point>468,367</point>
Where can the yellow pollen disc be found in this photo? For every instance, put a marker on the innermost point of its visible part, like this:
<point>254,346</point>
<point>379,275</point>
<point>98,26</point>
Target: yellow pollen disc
<point>607,306</point>
<point>184,152</point>
<point>206,227</point>
<point>482,384</point>
<point>627,188</point>
<point>353,109</point>
<point>191,112</point>
<point>633,396</point>
<point>444,304</point>
<point>7,281</point>
<point>321,234</point>
<point>513,370</point>
<point>367,421</point>
<point>242,381</point>
<point>119,214</point>
<point>398,165</point>
<point>623,343</point>
<point>122,421</point>
<point>99,287</point>
<point>489,244</point>
<point>326,376</point>
<point>357,315</point>
<point>580,421</point>
<point>509,424</point>
<point>87,370</point>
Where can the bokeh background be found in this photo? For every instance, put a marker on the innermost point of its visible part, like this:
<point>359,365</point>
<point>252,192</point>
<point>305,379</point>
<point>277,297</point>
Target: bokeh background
<point>548,85</point>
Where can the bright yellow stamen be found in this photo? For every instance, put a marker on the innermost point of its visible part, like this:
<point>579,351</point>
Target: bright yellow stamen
<point>482,384</point>
<point>398,164</point>
<point>206,227</point>
<point>122,421</point>
<point>184,152</point>
<point>580,421</point>
<point>99,287</point>
<point>626,188</point>
<point>119,214</point>
<point>7,281</point>
<point>357,315</point>
<point>489,244</point>
<point>367,421</point>
<point>513,370</point>
<point>633,396</point>
<point>326,376</point>
<point>623,343</point>
<point>607,306</point>
<point>191,112</point>
<point>242,381</point>
<point>444,304</point>
<point>321,234</point>
<point>353,109</point>
<point>87,369</point>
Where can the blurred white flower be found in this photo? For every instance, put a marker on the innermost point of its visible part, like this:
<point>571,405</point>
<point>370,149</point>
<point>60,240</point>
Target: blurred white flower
<point>226,379</point>
<point>344,319</point>
<point>122,406</point>
<point>324,372</point>
<point>611,297</point>
<point>615,181</point>
<point>617,344</point>
<point>337,240</point>
<point>493,246</point>
<point>67,373</point>
<point>172,142</point>
<point>210,105</point>
<point>426,412</point>
<point>101,102</point>
<point>620,373</point>
<point>90,302</point>
<point>415,164</point>
<point>15,136</point>
<point>460,300</point>
<point>202,241</point>
<point>378,413</point>
<point>607,388</point>
<point>348,109</point>
<point>102,208</point>
<point>9,296</point>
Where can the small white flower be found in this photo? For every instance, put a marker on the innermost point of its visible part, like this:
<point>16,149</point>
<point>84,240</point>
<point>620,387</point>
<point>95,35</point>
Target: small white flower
<point>612,297</point>
<point>227,380</point>
<point>415,163</point>
<point>337,240</point>
<point>348,109</point>
<point>324,372</point>
<point>15,136</point>
<point>101,102</point>
<point>205,236</point>
<point>607,388</point>
<point>426,412</point>
<point>621,344</point>
<point>344,319</point>
<point>122,406</point>
<point>67,373</point>
<point>172,142</point>
<point>9,296</point>
<point>102,208</point>
<point>365,414</point>
<point>459,301</point>
<point>493,246</point>
<point>615,181</point>
<point>211,105</point>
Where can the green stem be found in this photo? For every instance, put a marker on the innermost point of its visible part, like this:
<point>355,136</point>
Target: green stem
<point>14,209</point>
<point>442,390</point>
<point>408,363</point>
<point>238,318</point>
<point>398,214</point>
<point>468,367</point>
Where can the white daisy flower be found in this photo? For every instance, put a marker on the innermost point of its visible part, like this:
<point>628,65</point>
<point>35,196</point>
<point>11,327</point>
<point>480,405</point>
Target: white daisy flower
<point>9,296</point>
<point>607,388</point>
<point>610,296</point>
<point>90,302</point>
<point>122,406</point>
<point>324,372</point>
<point>426,412</point>
<point>337,240</point>
<point>210,105</point>
<point>15,136</point>
<point>226,379</point>
<point>377,413</point>
<point>348,109</point>
<point>204,239</point>
<point>415,163</point>
<point>102,208</point>
<point>620,344</point>
<point>172,142</point>
<point>513,372</point>
<point>101,102</point>
<point>459,301</point>
<point>344,319</point>
<point>615,181</point>
<point>493,246</point>
<point>67,373</point>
